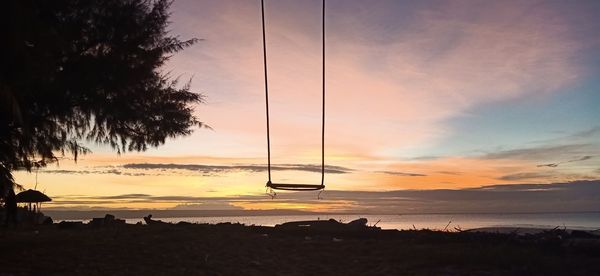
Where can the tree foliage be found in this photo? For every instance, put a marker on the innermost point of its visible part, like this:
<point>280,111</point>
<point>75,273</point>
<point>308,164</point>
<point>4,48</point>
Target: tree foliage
<point>75,70</point>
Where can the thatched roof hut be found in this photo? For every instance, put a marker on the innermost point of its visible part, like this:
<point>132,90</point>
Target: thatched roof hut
<point>32,196</point>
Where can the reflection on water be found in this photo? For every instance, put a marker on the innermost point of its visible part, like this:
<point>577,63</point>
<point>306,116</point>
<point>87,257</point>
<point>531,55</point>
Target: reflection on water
<point>584,221</point>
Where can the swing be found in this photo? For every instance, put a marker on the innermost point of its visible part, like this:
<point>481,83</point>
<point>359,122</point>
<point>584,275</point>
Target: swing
<point>288,186</point>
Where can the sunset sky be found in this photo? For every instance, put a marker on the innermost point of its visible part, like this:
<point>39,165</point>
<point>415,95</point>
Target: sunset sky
<point>421,95</point>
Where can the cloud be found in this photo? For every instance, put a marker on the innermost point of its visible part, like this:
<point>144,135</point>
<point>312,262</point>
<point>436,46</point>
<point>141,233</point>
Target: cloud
<point>210,205</point>
<point>538,153</point>
<point>110,171</point>
<point>207,170</point>
<point>525,176</point>
<point>401,173</point>
<point>449,172</point>
<point>426,158</point>
<point>576,137</point>
<point>551,165</point>
<point>581,159</point>
<point>554,165</point>
<point>231,168</point>
<point>67,171</point>
<point>587,133</point>
<point>126,196</point>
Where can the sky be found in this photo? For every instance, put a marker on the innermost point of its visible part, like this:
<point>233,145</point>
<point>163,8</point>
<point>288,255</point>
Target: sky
<point>421,95</point>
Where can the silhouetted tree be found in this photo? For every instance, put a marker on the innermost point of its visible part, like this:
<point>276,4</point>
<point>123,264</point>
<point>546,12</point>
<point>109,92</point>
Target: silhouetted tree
<point>75,70</point>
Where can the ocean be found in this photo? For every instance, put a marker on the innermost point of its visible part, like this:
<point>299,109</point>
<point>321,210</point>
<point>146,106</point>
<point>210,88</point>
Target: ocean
<point>582,221</point>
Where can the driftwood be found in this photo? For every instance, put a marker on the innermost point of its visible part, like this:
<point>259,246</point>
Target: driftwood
<point>446,228</point>
<point>331,225</point>
<point>149,221</point>
<point>107,220</point>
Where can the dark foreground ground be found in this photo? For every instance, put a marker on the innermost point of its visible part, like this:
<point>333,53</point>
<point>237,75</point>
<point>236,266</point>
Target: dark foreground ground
<point>230,249</point>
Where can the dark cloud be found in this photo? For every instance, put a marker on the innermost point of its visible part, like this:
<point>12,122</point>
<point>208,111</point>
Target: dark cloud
<point>554,165</point>
<point>67,171</point>
<point>550,165</point>
<point>205,170</point>
<point>524,176</point>
<point>107,171</point>
<point>243,167</point>
<point>401,173</point>
<point>519,187</point>
<point>546,175</point>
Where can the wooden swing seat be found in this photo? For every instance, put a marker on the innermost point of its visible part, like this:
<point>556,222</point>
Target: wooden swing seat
<point>295,187</point>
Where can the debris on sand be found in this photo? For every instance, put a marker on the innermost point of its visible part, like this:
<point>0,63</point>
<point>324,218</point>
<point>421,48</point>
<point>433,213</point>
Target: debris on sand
<point>149,221</point>
<point>107,220</point>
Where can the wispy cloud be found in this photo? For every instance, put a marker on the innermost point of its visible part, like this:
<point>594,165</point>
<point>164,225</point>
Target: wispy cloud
<point>554,165</point>
<point>99,171</point>
<point>209,205</point>
<point>522,187</point>
<point>449,172</point>
<point>231,168</point>
<point>155,169</point>
<point>426,158</point>
<point>525,176</point>
<point>587,133</point>
<point>539,153</point>
<point>125,196</point>
<point>401,173</point>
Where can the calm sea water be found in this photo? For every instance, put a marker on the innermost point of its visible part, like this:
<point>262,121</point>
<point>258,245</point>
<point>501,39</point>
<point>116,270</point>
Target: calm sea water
<point>583,221</point>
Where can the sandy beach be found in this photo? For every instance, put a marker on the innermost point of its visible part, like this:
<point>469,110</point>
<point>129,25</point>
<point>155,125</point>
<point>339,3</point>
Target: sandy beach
<point>234,249</point>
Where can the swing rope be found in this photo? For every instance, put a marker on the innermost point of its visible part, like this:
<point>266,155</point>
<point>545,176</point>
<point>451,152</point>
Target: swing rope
<point>262,7</point>
<point>295,187</point>
<point>323,106</point>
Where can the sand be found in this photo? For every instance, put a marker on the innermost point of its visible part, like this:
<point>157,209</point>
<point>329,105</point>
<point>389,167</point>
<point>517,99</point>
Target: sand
<point>231,249</point>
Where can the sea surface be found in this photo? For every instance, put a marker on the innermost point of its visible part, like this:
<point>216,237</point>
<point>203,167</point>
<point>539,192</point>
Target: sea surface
<point>582,221</point>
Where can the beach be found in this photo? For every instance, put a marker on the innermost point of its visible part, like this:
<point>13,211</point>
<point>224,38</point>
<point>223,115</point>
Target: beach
<point>235,249</point>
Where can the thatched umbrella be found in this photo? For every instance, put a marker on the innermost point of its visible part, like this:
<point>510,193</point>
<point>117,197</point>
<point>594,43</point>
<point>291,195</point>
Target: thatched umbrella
<point>32,196</point>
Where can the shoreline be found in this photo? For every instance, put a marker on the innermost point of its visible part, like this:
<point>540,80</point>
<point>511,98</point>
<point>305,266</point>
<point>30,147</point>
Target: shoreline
<point>503,229</point>
<point>134,213</point>
<point>587,221</point>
